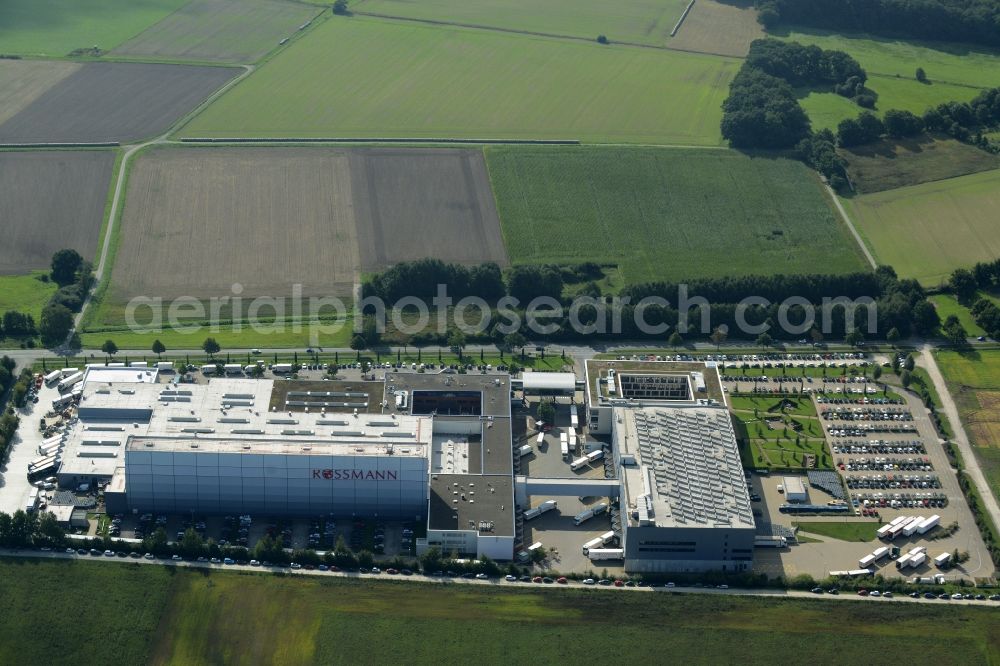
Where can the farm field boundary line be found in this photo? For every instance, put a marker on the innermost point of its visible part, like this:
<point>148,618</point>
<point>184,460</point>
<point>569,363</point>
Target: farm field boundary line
<point>531,33</point>
<point>850,226</point>
<point>279,140</point>
<point>97,144</point>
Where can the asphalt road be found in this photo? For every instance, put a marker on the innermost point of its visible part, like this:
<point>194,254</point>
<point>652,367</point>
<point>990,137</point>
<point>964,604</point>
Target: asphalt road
<point>434,580</point>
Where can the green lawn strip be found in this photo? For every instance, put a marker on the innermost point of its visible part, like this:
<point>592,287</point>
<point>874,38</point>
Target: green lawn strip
<point>844,531</point>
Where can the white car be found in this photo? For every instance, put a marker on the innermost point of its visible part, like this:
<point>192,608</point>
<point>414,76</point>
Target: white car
<point>510,579</point>
<point>589,581</point>
<point>482,576</point>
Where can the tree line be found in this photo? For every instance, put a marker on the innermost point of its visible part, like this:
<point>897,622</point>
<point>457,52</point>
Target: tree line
<point>965,284</point>
<point>970,21</point>
<point>965,121</point>
<point>901,306</point>
<point>420,279</point>
<point>762,110</point>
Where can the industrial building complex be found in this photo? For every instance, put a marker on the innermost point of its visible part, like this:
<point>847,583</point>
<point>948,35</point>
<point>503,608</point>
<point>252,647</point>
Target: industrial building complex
<point>432,447</point>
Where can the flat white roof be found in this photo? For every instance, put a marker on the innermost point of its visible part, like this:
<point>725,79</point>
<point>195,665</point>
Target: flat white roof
<point>793,484</point>
<point>101,374</point>
<point>549,381</point>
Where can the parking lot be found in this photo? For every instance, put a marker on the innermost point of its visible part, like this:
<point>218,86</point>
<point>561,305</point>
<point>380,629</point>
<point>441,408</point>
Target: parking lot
<point>889,471</point>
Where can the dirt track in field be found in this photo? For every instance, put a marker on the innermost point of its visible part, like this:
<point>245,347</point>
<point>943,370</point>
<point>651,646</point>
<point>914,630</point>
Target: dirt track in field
<point>198,220</point>
<point>51,201</point>
<point>23,81</point>
<point>414,203</point>
<point>113,101</point>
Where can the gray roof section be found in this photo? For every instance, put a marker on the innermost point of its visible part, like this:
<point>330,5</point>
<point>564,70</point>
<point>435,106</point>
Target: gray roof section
<point>484,504</point>
<point>494,387</point>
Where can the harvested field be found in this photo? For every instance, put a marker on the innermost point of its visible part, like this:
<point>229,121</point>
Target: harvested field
<point>113,102</point>
<point>22,81</point>
<point>716,27</point>
<point>51,201</point>
<point>927,231</point>
<point>637,21</point>
<point>220,31</point>
<point>411,204</point>
<point>667,214</point>
<point>361,77</point>
<point>888,164</point>
<point>196,221</point>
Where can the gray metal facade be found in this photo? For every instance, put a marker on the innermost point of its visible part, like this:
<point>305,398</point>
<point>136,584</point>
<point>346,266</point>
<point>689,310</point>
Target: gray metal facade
<point>681,549</point>
<point>206,482</point>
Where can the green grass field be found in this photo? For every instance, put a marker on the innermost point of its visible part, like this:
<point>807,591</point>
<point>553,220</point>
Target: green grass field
<point>119,610</point>
<point>57,27</point>
<point>844,531</point>
<point>926,231</point>
<point>25,293</point>
<point>666,214</point>
<point>826,109</point>
<point>973,379</point>
<point>888,164</point>
<point>361,77</point>
<point>639,21</point>
<point>946,305</point>
<point>955,73</point>
<point>139,614</point>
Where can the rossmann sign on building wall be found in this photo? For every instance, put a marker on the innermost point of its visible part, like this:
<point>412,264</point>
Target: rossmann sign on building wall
<point>355,475</point>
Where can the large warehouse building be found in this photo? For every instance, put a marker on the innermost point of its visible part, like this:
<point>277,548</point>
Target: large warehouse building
<point>684,501</point>
<point>434,447</point>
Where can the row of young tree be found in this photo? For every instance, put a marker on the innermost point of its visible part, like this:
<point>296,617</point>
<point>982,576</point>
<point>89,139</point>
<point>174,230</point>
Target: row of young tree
<point>762,110</point>
<point>965,121</point>
<point>970,21</point>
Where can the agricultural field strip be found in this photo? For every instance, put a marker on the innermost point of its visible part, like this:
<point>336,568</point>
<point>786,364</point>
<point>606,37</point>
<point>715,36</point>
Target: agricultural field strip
<point>52,200</point>
<point>523,102</point>
<point>567,204</point>
<point>220,31</point>
<point>23,81</point>
<point>114,101</point>
<point>906,230</point>
<point>243,192</point>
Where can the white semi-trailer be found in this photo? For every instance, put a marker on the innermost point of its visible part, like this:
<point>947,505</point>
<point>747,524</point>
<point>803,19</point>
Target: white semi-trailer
<point>593,543</point>
<point>606,554</point>
<point>524,450</point>
<point>586,515</point>
<point>531,514</point>
<point>929,524</point>
<point>866,561</point>
<point>942,560</point>
<point>281,368</point>
<point>52,377</point>
<point>70,381</point>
